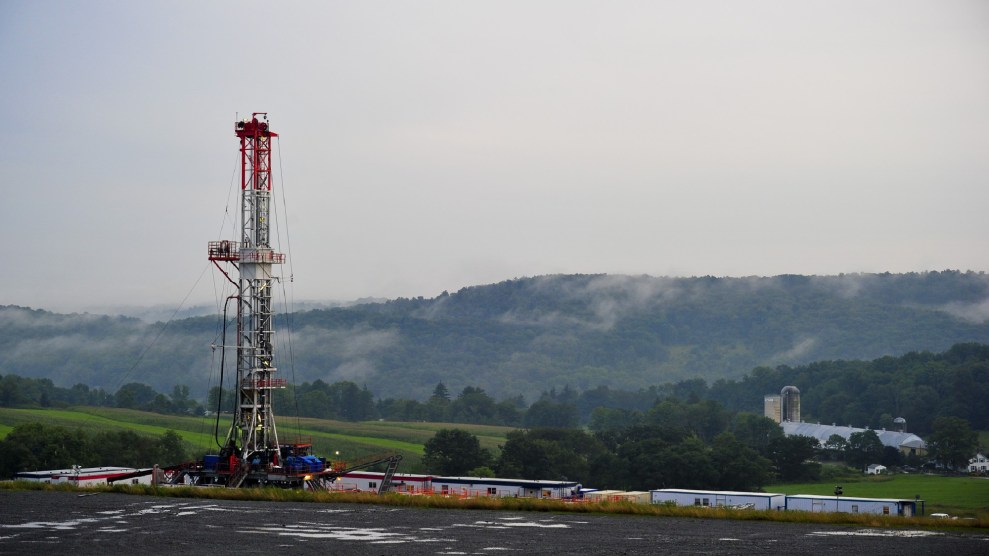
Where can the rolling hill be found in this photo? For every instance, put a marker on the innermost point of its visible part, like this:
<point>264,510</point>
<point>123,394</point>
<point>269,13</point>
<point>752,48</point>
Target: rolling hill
<point>527,335</point>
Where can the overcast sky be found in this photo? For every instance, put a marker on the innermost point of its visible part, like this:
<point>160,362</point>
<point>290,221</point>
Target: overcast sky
<point>431,145</point>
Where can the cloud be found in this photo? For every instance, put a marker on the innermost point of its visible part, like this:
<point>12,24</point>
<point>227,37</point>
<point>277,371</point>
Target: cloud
<point>798,352</point>
<point>976,313</point>
<point>353,349</point>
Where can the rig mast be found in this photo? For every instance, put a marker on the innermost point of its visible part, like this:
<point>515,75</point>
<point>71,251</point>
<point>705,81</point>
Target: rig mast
<point>253,436</point>
<point>251,454</point>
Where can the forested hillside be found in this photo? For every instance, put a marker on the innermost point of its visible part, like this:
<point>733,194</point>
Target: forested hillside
<point>529,335</point>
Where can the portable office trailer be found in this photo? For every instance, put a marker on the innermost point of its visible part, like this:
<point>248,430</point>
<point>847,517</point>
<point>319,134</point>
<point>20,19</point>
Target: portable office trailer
<point>601,495</point>
<point>481,486</point>
<point>636,496</point>
<point>371,481</point>
<point>88,476</point>
<point>882,506</point>
<point>754,500</point>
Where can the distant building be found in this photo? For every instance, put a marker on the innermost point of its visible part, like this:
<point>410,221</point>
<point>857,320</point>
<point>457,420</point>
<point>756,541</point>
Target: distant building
<point>978,464</point>
<point>727,498</point>
<point>89,476</point>
<point>881,506</point>
<point>783,407</point>
<point>907,443</point>
<point>772,408</point>
<point>875,469</point>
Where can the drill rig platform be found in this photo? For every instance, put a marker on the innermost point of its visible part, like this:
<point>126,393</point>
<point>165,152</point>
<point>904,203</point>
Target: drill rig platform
<point>251,454</point>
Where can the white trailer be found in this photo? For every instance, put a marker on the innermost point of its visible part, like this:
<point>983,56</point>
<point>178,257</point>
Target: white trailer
<point>370,481</point>
<point>89,476</point>
<point>520,488</point>
<point>714,498</point>
<point>881,506</point>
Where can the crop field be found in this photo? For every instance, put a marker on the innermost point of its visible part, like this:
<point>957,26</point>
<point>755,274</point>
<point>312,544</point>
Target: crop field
<point>957,496</point>
<point>331,439</point>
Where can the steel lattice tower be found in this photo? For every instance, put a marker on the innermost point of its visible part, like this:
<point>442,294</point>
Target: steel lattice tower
<point>253,436</point>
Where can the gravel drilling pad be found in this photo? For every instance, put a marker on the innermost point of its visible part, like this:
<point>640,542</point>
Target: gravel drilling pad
<point>66,522</point>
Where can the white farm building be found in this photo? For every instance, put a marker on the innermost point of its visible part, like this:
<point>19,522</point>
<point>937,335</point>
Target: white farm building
<point>907,443</point>
<point>750,500</point>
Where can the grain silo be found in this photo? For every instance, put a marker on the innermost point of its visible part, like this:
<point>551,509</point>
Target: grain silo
<point>790,404</point>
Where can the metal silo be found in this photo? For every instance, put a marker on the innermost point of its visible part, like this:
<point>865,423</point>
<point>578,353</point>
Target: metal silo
<point>790,404</point>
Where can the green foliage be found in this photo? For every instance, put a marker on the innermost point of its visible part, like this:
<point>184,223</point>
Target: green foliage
<point>453,452</point>
<point>558,454</point>
<point>791,458</point>
<point>35,446</point>
<point>863,448</point>
<point>953,442</point>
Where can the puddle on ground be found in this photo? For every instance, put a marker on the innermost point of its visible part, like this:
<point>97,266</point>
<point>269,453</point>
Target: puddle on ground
<point>877,533</point>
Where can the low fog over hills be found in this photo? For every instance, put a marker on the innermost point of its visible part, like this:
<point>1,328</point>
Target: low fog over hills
<point>527,335</point>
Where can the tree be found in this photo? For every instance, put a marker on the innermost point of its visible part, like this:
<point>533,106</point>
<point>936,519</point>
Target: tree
<point>740,467</point>
<point>755,431</point>
<point>558,454</point>
<point>171,450</point>
<point>863,448</point>
<point>473,405</point>
<point>953,442</point>
<point>836,446</point>
<point>790,455</point>
<point>549,414</point>
<point>134,395</point>
<point>454,452</point>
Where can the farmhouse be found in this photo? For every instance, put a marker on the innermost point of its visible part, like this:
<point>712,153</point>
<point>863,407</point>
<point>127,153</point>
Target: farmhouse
<point>883,506</point>
<point>753,500</point>
<point>978,464</point>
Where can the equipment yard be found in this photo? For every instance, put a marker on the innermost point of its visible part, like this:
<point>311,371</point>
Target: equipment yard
<point>106,523</point>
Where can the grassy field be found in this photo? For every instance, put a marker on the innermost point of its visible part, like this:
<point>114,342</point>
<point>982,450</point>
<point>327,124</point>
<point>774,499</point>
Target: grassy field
<point>957,496</point>
<point>351,441</point>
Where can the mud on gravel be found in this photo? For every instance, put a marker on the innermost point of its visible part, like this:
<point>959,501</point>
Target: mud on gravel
<point>35,522</point>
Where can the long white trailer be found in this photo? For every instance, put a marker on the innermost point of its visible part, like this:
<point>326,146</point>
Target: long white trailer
<point>713,498</point>
<point>882,506</point>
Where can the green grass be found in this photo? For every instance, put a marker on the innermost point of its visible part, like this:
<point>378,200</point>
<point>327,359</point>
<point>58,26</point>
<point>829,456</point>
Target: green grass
<point>958,496</point>
<point>353,441</point>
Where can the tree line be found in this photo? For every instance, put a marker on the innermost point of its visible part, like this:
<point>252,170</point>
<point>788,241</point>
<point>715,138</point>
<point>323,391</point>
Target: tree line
<point>37,446</point>
<point>918,386</point>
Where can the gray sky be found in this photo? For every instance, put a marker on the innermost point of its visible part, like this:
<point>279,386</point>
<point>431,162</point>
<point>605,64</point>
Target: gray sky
<point>432,145</point>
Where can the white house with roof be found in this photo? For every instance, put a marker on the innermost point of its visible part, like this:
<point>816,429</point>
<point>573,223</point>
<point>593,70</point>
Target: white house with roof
<point>875,469</point>
<point>978,464</point>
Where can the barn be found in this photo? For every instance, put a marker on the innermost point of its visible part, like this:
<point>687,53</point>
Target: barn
<point>882,506</point>
<point>728,498</point>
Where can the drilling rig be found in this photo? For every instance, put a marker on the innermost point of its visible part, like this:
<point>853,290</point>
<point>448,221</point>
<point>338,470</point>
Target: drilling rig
<point>251,454</point>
